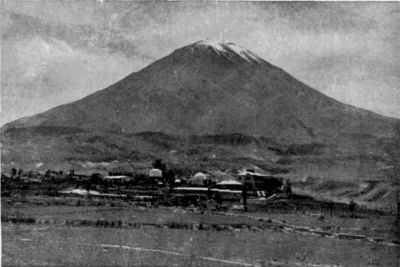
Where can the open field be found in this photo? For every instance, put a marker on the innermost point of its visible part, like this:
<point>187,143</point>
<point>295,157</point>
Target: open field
<point>173,236</point>
<point>78,246</point>
<point>373,225</point>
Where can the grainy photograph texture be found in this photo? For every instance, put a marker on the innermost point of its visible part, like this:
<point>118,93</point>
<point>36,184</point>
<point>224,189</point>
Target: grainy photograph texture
<point>200,133</point>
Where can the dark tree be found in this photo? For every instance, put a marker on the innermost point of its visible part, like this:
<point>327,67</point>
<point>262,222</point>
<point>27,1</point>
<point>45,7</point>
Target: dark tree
<point>287,188</point>
<point>244,197</point>
<point>352,207</point>
<point>95,178</point>
<point>159,164</point>
<point>13,172</point>
<point>20,173</point>
<point>170,176</point>
<point>218,199</point>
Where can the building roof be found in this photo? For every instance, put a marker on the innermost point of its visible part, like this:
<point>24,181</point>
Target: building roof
<point>192,188</point>
<point>111,177</point>
<point>199,175</point>
<point>155,173</point>
<point>229,182</point>
<point>79,191</point>
<point>246,172</point>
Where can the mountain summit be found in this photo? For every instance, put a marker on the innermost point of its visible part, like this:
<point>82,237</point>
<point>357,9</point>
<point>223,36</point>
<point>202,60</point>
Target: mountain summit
<point>213,88</point>
<point>229,49</point>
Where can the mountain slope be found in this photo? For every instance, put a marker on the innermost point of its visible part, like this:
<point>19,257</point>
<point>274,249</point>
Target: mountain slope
<point>211,106</point>
<point>212,88</point>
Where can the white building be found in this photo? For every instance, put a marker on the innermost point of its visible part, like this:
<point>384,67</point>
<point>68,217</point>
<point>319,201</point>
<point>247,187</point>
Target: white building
<point>117,178</point>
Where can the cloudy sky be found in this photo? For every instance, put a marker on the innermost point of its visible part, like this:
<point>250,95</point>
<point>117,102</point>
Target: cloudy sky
<point>54,52</point>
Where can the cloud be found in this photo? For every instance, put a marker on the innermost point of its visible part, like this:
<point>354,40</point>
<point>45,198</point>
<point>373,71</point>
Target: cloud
<point>43,73</point>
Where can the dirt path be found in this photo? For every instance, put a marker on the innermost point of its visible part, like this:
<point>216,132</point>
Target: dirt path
<point>287,227</point>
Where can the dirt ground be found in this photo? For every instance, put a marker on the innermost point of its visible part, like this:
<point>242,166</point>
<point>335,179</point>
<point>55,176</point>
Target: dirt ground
<point>131,235</point>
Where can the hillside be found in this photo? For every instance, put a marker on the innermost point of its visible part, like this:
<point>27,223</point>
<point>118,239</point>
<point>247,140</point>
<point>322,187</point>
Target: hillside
<point>208,88</point>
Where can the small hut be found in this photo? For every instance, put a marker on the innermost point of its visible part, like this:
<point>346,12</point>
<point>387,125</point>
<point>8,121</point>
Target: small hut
<point>116,179</point>
<point>260,181</point>
<point>199,179</point>
<point>155,173</point>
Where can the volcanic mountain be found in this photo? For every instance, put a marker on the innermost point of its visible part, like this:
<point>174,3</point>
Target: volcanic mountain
<point>215,106</point>
<point>213,88</point>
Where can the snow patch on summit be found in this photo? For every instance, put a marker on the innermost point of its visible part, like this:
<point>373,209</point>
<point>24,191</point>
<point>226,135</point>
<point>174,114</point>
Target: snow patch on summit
<point>243,52</point>
<point>227,48</point>
<point>214,44</point>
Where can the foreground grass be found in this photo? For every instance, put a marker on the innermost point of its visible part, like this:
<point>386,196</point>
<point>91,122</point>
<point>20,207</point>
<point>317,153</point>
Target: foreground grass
<point>62,245</point>
<point>50,245</point>
<point>382,226</point>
